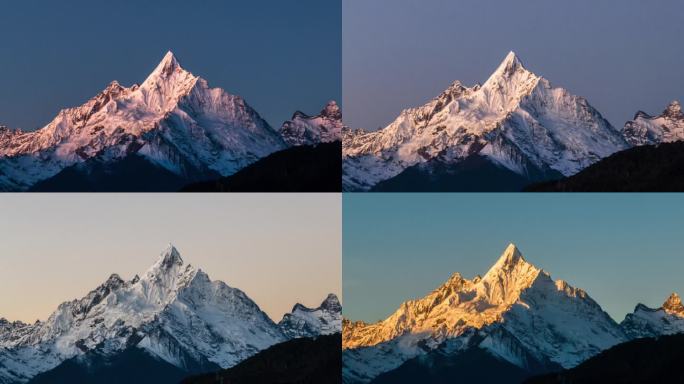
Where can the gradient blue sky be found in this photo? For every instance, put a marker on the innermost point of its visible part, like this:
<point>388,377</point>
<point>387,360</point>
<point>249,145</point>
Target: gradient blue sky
<point>623,56</point>
<point>621,248</point>
<point>282,56</point>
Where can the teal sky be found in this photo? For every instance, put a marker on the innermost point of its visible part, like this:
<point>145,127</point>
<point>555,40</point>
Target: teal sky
<point>621,248</point>
<point>279,249</point>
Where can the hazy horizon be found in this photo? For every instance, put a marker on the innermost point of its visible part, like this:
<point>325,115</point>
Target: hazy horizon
<point>252,242</point>
<point>621,249</point>
<point>621,57</point>
<point>278,56</point>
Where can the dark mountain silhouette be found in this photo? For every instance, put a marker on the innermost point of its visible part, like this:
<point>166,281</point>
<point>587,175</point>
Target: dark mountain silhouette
<point>298,361</point>
<point>648,168</point>
<point>474,365</point>
<point>650,360</point>
<point>297,169</point>
<point>474,174</point>
<point>130,174</point>
<point>131,366</point>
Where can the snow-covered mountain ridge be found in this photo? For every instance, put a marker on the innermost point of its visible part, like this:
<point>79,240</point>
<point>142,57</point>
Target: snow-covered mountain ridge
<point>173,120</point>
<point>309,322</point>
<point>516,119</point>
<point>515,311</point>
<point>667,127</point>
<point>173,311</point>
<point>649,322</point>
<point>303,129</point>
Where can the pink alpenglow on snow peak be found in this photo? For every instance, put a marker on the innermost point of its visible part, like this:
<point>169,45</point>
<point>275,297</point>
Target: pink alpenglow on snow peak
<point>173,121</point>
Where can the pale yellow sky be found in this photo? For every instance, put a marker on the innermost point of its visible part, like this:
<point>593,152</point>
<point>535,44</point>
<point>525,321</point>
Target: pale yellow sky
<point>278,248</point>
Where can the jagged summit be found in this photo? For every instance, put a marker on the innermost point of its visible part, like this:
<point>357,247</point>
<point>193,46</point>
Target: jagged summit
<point>303,129</point>
<point>654,322</point>
<point>114,279</point>
<point>456,279</point>
<point>331,303</point>
<point>496,313</point>
<point>332,110</point>
<point>167,66</point>
<point>509,66</point>
<point>170,256</point>
<point>509,83</point>
<point>509,277</point>
<point>674,304</point>
<point>509,257</point>
<point>177,315</point>
<point>309,322</point>
<point>516,121</point>
<point>510,261</point>
<point>667,127</point>
<point>674,110</point>
<point>173,121</point>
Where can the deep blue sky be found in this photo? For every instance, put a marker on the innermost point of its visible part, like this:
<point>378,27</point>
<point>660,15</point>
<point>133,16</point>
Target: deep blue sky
<point>622,56</point>
<point>280,55</point>
<point>621,248</point>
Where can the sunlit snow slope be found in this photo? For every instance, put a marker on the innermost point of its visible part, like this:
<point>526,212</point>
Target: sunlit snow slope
<point>515,312</point>
<point>173,119</point>
<point>173,312</point>
<point>516,119</point>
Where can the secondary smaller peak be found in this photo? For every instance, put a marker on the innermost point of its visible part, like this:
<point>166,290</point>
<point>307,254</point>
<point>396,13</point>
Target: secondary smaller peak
<point>674,109</point>
<point>332,110</point>
<point>331,303</point>
<point>673,304</point>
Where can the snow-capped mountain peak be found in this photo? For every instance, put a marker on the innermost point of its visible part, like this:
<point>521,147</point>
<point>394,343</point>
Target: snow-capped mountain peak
<point>173,120</point>
<point>169,257</point>
<point>174,312</point>
<point>667,127</point>
<point>167,84</point>
<point>165,278</point>
<point>508,261</point>
<point>166,67</point>
<point>674,110</point>
<point>510,64</point>
<point>516,120</point>
<point>331,303</point>
<point>513,297</point>
<point>650,322</point>
<point>303,129</point>
<point>332,111</point>
<point>310,322</point>
<point>511,70</point>
<point>673,304</point>
<point>509,276</point>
